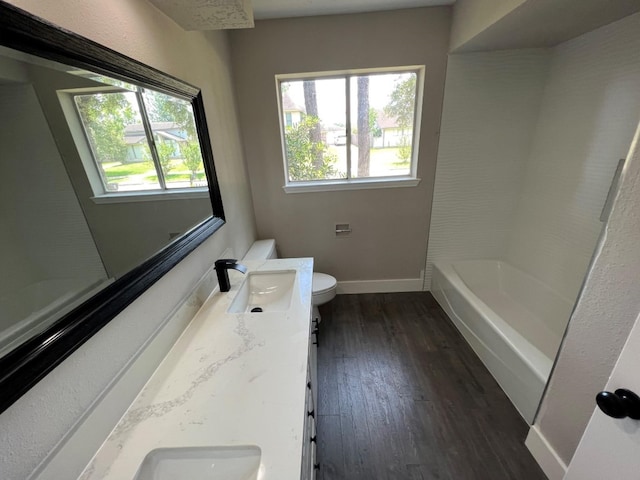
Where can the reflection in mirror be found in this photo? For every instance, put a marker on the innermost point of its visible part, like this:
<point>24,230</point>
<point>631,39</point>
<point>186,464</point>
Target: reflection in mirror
<point>140,140</point>
<point>97,176</point>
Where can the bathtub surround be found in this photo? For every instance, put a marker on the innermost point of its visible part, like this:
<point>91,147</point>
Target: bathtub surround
<point>589,111</point>
<point>44,417</point>
<point>588,116</point>
<point>37,200</point>
<point>389,226</point>
<point>605,316</point>
<point>490,112</point>
<point>535,203</point>
<point>48,256</point>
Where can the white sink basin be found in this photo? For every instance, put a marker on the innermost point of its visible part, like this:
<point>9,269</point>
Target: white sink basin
<point>201,463</point>
<point>265,292</point>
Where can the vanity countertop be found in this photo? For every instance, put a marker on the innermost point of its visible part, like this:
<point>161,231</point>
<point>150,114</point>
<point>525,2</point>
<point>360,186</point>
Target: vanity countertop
<point>230,379</point>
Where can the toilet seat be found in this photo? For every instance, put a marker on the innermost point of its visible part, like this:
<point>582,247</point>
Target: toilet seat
<point>322,283</point>
<point>323,291</point>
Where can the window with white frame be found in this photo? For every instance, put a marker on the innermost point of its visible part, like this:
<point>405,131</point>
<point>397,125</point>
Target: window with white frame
<point>140,141</point>
<point>344,129</point>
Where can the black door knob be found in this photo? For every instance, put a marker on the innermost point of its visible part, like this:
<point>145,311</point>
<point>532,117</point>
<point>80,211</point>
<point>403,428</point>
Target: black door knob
<point>619,404</point>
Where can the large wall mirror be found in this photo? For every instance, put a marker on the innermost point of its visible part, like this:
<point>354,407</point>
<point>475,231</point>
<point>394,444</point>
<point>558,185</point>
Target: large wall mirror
<point>107,182</point>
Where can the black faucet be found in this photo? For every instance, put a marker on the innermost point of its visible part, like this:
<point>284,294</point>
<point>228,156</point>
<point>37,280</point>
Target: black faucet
<point>222,267</point>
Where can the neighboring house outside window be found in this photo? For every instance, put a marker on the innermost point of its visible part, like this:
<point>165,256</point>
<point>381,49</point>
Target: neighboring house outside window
<point>139,141</point>
<point>168,133</point>
<point>356,129</point>
<point>390,133</point>
<point>292,113</point>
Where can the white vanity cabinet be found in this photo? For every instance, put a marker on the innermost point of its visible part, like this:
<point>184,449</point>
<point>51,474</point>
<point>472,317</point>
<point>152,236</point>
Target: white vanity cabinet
<point>309,436</point>
<point>309,446</point>
<point>313,359</point>
<point>236,364</point>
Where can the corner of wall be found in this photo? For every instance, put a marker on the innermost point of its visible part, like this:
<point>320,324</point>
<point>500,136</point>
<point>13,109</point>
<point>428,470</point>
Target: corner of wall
<point>543,453</point>
<point>472,17</point>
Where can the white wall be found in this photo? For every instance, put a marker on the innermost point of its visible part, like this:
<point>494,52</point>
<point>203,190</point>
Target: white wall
<point>593,102</point>
<point>490,110</point>
<point>587,120</point>
<point>18,270</point>
<point>34,425</point>
<point>524,176</point>
<point>38,208</point>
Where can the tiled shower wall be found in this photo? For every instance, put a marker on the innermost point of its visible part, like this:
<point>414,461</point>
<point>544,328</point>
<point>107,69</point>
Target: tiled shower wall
<point>589,114</point>
<point>538,204</point>
<point>490,110</point>
<point>37,202</point>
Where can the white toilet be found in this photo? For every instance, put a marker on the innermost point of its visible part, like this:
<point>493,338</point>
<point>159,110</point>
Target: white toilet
<point>324,286</point>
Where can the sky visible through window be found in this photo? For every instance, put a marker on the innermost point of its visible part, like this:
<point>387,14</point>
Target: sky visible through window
<point>380,140</point>
<point>380,88</point>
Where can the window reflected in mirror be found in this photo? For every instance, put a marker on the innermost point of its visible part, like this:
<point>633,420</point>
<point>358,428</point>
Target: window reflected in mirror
<point>141,141</point>
<point>98,176</point>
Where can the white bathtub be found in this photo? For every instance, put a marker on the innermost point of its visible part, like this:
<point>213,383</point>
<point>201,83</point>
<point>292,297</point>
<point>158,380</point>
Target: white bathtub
<point>512,321</point>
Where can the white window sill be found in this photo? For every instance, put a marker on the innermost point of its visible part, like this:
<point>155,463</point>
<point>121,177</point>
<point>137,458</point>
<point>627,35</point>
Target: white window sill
<point>151,196</point>
<point>328,185</point>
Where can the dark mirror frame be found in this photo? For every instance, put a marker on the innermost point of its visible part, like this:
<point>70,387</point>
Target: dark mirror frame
<point>27,364</point>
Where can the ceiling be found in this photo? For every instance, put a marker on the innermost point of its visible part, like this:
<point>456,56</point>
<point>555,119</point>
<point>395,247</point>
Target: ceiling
<point>208,14</point>
<point>546,23</point>
<point>263,9</point>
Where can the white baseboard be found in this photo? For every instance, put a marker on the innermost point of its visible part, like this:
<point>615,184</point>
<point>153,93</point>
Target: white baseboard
<point>551,464</point>
<point>380,286</point>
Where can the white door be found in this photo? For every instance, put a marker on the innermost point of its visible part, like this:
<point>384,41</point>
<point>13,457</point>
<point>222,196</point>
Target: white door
<point>610,447</point>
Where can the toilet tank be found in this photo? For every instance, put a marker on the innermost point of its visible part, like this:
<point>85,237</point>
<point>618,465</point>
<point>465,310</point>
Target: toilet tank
<point>262,250</point>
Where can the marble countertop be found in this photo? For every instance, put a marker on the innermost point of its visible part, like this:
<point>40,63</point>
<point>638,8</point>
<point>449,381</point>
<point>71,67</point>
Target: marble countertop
<point>230,379</point>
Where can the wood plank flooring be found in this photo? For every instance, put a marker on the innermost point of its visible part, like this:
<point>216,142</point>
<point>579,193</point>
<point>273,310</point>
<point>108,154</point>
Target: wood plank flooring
<point>402,396</point>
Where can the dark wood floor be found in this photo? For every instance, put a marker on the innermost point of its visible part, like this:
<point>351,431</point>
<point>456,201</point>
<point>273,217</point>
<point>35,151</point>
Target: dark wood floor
<point>402,396</point>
